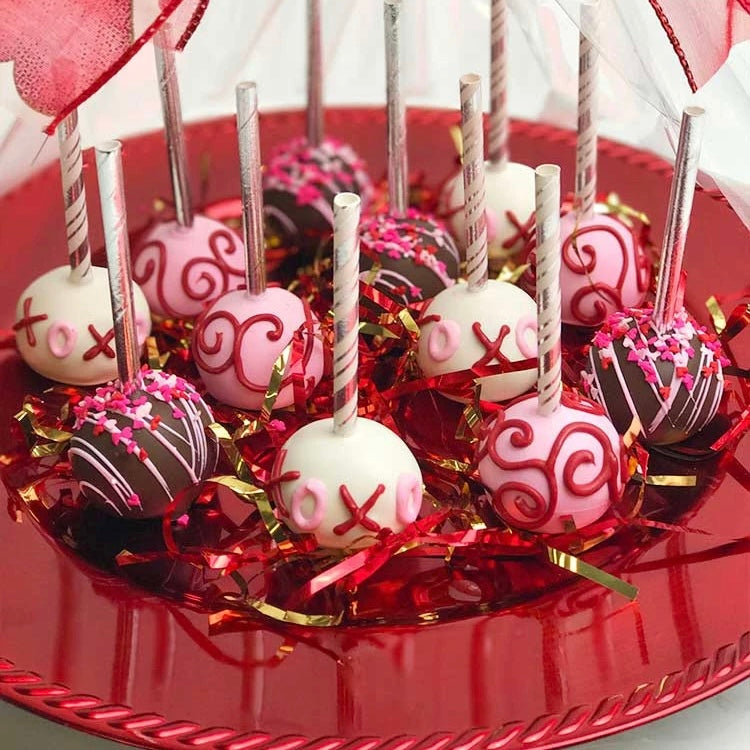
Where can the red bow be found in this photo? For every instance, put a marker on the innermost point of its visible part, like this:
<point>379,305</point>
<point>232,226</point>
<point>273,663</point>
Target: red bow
<point>65,50</point>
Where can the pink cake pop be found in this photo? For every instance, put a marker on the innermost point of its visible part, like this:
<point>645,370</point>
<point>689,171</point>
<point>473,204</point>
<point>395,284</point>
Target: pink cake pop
<point>659,364</point>
<point>241,335</point>
<point>303,176</point>
<point>142,440</point>
<point>63,324</point>
<point>604,265</point>
<point>184,264</point>
<point>346,479</point>
<point>485,321</point>
<point>509,186</point>
<point>414,256</point>
<point>552,457</point>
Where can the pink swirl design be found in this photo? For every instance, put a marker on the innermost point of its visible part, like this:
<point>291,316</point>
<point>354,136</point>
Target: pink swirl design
<point>534,506</point>
<point>203,347</point>
<point>581,259</point>
<point>202,279</point>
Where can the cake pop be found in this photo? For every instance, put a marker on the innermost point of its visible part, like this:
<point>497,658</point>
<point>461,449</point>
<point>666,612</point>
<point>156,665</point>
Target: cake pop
<point>509,186</point>
<point>63,320</point>
<point>241,335</point>
<point>415,256</point>
<point>303,176</point>
<point>184,264</point>
<point>553,457</point>
<point>604,265</point>
<point>138,442</point>
<point>345,479</point>
<point>659,364</point>
<point>484,321</point>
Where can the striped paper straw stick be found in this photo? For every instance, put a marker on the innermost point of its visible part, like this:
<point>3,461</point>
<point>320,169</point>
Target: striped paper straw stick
<point>473,168</point>
<point>314,75</point>
<point>548,300</point>
<point>398,169</point>
<point>498,133</point>
<point>117,245</point>
<point>346,210</point>
<point>586,143</point>
<point>169,91</point>
<point>678,216</point>
<point>248,138</point>
<point>74,197</point>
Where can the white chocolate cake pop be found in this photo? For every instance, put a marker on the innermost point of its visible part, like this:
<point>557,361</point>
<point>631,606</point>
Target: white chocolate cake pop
<point>64,326</point>
<point>483,322</point>
<point>509,189</point>
<point>63,319</point>
<point>509,186</point>
<point>183,265</point>
<point>346,479</point>
<point>237,341</point>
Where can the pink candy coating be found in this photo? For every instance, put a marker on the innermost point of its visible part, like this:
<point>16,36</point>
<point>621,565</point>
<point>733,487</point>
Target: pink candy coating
<point>240,337</point>
<point>603,269</point>
<point>182,269</point>
<point>544,469</point>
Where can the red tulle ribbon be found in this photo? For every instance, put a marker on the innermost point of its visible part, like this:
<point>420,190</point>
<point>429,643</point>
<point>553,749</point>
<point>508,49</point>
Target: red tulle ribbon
<point>63,51</point>
<point>703,33</point>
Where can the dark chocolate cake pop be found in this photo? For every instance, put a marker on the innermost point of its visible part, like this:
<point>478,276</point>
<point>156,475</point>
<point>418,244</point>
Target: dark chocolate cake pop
<point>299,184</point>
<point>137,446</point>
<point>673,382</point>
<point>415,255</point>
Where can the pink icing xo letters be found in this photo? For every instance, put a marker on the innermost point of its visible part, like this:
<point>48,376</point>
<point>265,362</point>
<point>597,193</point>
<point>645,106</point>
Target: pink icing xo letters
<point>444,339</point>
<point>527,323</point>
<point>61,339</point>
<point>408,498</point>
<point>315,489</point>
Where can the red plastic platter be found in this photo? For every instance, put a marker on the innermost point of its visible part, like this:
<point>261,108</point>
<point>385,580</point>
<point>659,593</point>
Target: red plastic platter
<point>572,662</point>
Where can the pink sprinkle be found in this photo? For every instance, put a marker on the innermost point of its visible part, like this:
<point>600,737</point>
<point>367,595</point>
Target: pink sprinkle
<point>183,520</point>
<point>134,501</point>
<point>178,414</point>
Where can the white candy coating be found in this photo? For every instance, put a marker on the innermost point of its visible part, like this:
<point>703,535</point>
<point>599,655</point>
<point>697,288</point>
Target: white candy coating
<point>508,188</point>
<point>369,467</point>
<point>452,344</point>
<point>59,323</point>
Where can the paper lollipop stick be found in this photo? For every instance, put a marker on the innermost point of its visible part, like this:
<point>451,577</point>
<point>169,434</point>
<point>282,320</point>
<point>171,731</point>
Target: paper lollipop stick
<point>678,217</point>
<point>252,190</point>
<point>473,168</point>
<point>114,219</point>
<point>346,210</point>
<point>398,169</point>
<point>548,301</point>
<point>314,75</point>
<point>586,143</point>
<point>169,91</point>
<point>74,196</point>
<point>499,124</point>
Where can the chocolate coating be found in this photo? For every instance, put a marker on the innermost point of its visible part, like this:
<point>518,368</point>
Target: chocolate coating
<point>673,382</point>
<point>299,185</point>
<point>135,448</point>
<point>416,255</point>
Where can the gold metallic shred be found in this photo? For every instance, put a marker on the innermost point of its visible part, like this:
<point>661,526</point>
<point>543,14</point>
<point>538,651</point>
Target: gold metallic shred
<point>274,384</point>
<point>457,138</point>
<point>156,360</point>
<point>372,329</point>
<point>717,314</point>
<point>672,480</point>
<point>575,565</point>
